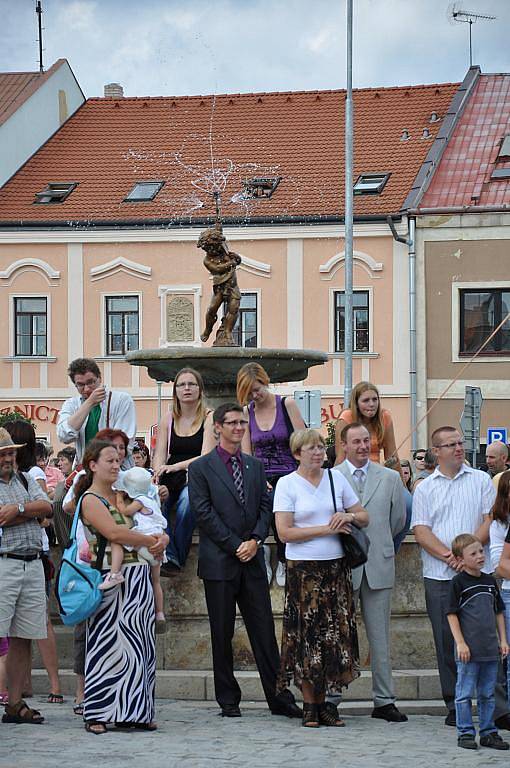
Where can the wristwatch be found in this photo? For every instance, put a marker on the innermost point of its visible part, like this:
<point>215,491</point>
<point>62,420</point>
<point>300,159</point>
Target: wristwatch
<point>21,510</point>
<point>257,540</point>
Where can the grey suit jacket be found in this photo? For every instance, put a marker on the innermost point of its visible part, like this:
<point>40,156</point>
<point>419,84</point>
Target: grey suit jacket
<point>384,501</point>
<point>223,521</point>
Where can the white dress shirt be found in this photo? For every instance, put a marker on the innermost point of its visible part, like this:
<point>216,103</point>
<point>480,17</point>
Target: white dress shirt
<point>450,506</point>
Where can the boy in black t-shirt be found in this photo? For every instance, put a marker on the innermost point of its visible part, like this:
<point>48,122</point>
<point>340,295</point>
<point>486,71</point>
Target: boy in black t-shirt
<point>476,615</point>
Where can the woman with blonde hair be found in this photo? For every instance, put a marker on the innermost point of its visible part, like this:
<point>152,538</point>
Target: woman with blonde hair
<point>183,435</point>
<point>319,642</point>
<point>365,408</point>
<point>271,421</point>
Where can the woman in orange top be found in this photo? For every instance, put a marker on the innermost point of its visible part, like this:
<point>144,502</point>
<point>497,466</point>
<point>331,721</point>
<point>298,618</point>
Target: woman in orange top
<point>365,408</point>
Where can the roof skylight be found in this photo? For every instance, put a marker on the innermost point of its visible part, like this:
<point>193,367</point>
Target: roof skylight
<point>260,186</point>
<point>144,191</point>
<point>504,151</point>
<point>55,192</point>
<point>370,183</point>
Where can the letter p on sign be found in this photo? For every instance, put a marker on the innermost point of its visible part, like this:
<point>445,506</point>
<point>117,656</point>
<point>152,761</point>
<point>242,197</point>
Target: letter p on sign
<point>497,433</point>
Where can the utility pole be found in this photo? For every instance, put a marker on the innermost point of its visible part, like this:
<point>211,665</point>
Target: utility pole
<point>348,219</point>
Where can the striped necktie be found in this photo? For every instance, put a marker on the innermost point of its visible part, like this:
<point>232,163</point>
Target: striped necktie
<point>359,480</point>
<point>237,476</point>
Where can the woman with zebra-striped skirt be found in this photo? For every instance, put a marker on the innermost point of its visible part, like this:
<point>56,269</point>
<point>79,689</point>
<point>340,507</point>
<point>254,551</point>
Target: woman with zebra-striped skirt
<point>120,663</point>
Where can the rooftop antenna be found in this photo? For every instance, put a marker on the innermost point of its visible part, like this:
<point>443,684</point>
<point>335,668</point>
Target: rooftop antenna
<point>467,17</point>
<point>38,10</point>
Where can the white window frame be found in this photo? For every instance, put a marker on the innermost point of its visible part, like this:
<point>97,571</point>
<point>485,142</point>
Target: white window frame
<point>457,287</point>
<point>12,325</point>
<point>104,296</point>
<point>195,293</point>
<point>370,352</point>
<point>258,293</point>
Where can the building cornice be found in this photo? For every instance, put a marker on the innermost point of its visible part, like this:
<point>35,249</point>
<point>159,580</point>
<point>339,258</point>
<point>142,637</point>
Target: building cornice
<point>190,234</point>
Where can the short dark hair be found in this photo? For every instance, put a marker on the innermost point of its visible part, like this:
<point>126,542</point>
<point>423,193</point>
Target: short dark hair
<point>417,451</point>
<point>81,366</point>
<point>222,410</point>
<point>67,453</point>
<point>434,438</point>
<point>345,431</point>
<point>40,451</point>
<point>430,459</point>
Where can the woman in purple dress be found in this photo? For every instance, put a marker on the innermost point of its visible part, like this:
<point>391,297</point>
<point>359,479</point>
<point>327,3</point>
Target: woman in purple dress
<point>272,420</point>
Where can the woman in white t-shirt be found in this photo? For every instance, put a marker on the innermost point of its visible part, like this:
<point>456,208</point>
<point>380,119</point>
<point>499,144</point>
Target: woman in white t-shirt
<point>320,642</point>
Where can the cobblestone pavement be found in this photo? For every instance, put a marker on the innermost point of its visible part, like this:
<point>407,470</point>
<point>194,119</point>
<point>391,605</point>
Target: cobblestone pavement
<point>192,734</point>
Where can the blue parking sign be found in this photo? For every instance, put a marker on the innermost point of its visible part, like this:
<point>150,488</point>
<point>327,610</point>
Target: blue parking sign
<point>497,433</point>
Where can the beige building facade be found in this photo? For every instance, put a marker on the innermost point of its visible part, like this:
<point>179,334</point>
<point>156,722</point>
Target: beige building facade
<point>463,294</point>
<point>70,284</point>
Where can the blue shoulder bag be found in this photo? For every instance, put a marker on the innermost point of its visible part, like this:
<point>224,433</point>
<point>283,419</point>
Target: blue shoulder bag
<point>77,584</point>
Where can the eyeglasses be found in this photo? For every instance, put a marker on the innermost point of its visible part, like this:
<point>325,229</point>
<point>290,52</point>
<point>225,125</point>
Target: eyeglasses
<point>460,443</point>
<point>235,423</point>
<point>312,448</point>
<point>186,385</point>
<point>419,458</point>
<point>89,383</point>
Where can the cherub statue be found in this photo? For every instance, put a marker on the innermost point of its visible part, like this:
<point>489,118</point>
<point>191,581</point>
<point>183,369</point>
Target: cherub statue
<point>222,264</point>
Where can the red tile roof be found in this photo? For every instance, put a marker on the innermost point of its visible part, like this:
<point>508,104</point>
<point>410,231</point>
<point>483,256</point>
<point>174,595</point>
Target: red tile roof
<point>463,177</point>
<point>109,144</point>
<point>17,87</point>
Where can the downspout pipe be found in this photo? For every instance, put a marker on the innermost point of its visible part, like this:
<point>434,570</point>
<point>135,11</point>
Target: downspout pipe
<point>410,241</point>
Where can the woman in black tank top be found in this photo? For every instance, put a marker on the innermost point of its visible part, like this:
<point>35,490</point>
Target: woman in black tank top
<point>184,434</point>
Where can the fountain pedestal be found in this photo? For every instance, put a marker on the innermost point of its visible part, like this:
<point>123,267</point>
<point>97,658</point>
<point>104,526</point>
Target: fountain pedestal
<point>219,365</point>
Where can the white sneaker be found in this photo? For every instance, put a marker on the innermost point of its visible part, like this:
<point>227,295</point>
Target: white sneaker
<point>267,558</point>
<point>281,574</point>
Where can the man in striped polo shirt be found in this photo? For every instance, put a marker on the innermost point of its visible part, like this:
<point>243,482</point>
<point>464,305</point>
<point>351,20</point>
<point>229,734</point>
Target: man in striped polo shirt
<point>455,499</point>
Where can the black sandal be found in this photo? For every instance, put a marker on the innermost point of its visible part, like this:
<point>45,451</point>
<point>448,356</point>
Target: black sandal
<point>328,715</point>
<point>310,716</point>
<point>92,726</point>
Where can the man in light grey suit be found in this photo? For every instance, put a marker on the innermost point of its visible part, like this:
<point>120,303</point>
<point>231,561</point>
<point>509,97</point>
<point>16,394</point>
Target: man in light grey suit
<point>380,493</point>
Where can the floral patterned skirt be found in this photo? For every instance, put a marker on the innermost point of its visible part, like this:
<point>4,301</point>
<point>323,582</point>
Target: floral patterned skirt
<point>320,640</point>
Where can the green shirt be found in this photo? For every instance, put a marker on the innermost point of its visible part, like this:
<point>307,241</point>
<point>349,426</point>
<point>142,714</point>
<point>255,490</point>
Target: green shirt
<point>91,427</point>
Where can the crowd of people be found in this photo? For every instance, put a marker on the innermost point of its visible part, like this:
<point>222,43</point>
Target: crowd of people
<point>235,473</point>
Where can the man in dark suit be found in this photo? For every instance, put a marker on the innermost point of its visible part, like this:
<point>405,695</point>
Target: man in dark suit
<point>228,493</point>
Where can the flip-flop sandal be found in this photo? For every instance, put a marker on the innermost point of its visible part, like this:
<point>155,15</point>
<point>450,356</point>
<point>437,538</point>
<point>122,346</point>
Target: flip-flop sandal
<point>21,713</point>
<point>78,708</point>
<point>92,726</point>
<point>55,698</point>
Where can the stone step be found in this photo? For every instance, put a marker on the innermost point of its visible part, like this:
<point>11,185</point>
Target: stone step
<point>198,685</point>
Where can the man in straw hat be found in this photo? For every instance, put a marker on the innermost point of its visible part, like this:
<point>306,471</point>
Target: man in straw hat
<point>22,595</point>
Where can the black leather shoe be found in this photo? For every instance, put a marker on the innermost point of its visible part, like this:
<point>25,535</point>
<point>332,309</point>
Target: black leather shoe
<point>170,568</point>
<point>451,718</point>
<point>230,710</point>
<point>503,722</point>
<point>390,713</point>
<point>285,704</point>
<point>287,709</point>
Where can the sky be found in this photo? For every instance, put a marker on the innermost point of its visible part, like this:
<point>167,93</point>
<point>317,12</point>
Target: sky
<point>188,47</point>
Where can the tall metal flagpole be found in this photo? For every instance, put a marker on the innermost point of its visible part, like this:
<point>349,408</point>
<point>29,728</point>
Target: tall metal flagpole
<point>349,126</point>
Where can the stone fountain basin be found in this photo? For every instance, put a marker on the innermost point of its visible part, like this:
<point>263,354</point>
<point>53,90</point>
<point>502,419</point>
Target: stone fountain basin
<point>219,365</point>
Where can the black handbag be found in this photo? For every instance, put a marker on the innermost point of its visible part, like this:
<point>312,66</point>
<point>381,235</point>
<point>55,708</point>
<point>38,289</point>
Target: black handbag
<point>356,543</point>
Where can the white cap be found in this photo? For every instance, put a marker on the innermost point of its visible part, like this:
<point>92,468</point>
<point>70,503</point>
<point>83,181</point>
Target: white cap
<point>135,482</point>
